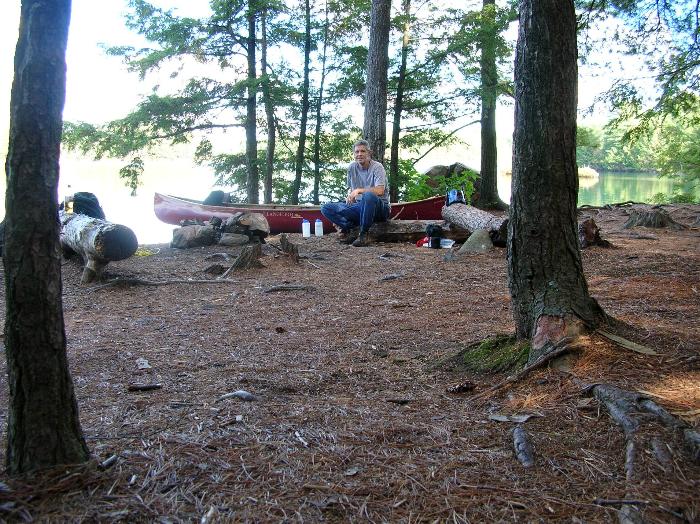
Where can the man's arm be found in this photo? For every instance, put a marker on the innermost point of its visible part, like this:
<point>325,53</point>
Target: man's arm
<point>377,190</point>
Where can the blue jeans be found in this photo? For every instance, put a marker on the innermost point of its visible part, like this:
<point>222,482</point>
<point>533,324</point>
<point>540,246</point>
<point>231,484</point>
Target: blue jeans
<point>367,211</point>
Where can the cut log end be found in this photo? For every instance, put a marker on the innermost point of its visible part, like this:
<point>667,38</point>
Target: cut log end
<point>117,242</point>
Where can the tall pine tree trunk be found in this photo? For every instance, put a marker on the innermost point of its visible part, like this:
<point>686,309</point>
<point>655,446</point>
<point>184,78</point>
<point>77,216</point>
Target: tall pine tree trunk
<point>374,129</point>
<point>269,114</point>
<point>488,192</point>
<point>398,106</point>
<point>319,107</point>
<point>301,148</point>
<point>43,425</point>
<point>251,139</point>
<point>548,288</point>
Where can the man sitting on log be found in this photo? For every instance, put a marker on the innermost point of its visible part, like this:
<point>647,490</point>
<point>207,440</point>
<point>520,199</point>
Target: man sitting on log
<point>367,201</point>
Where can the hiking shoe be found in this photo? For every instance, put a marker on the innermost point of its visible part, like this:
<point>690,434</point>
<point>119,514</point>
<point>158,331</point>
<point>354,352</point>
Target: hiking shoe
<point>346,237</point>
<point>361,241</point>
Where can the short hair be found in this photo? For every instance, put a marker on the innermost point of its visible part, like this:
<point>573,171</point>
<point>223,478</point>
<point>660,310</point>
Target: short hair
<point>361,143</point>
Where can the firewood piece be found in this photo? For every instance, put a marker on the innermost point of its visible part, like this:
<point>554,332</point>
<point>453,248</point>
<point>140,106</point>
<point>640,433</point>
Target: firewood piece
<point>589,234</point>
<point>98,242</point>
<point>248,259</point>
<point>523,447</point>
<point>231,223</point>
<point>256,223</point>
<point>470,219</point>
<point>193,236</point>
<point>291,249</point>
<point>233,239</point>
<point>656,218</point>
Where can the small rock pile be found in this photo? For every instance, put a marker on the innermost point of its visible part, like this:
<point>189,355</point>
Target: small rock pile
<point>237,230</point>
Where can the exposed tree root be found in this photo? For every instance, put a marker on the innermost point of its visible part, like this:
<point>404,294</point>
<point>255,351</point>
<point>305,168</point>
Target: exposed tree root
<point>629,410</point>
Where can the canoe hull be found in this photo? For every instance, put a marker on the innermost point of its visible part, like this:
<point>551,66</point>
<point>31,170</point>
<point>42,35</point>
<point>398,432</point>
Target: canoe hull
<point>282,219</point>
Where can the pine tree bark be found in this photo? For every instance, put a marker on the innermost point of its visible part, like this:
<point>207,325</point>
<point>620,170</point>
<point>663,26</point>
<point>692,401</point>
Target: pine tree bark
<point>251,140</point>
<point>488,191</point>
<point>43,425</point>
<point>374,129</point>
<point>304,117</point>
<point>548,288</point>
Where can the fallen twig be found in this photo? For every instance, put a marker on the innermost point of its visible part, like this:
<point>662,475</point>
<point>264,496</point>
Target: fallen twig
<point>144,387</point>
<point>142,282</point>
<point>523,447</point>
<point>288,287</point>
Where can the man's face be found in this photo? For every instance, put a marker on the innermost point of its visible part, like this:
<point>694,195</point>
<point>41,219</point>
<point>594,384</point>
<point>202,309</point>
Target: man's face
<point>362,155</point>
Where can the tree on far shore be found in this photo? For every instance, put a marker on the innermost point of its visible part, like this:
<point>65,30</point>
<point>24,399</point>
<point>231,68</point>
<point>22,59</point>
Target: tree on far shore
<point>43,427</point>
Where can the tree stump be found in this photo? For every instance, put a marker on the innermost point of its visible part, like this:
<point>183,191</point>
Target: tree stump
<point>248,259</point>
<point>656,218</point>
<point>97,241</point>
<point>289,248</point>
<point>589,234</point>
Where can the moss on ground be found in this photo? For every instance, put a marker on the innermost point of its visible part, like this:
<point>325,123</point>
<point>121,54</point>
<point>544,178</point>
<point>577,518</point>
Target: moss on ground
<point>495,354</point>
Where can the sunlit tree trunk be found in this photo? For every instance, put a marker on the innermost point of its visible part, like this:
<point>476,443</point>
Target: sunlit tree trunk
<point>319,107</point>
<point>398,106</point>
<point>301,148</point>
<point>488,192</point>
<point>374,129</point>
<point>269,113</point>
<point>43,425</point>
<point>548,288</point>
<point>251,140</point>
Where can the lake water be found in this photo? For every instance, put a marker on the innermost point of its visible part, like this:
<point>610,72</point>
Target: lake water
<point>610,188</point>
<point>176,175</point>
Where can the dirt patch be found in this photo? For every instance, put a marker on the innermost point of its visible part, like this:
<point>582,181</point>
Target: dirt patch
<point>351,422</point>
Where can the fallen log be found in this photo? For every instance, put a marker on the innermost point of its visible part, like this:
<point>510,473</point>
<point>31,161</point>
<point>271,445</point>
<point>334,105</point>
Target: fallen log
<point>413,230</point>
<point>97,241</point>
<point>470,219</point>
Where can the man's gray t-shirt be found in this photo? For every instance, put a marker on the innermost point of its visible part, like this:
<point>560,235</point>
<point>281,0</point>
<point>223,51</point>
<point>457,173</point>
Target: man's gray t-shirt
<point>373,176</point>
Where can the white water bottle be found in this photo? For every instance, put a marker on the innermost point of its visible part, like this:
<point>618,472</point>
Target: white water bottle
<point>305,228</point>
<point>318,228</point>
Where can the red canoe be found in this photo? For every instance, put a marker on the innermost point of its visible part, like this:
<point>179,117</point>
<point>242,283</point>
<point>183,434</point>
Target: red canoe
<point>282,218</point>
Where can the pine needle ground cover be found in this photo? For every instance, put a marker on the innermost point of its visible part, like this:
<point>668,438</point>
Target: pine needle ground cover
<point>350,419</point>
